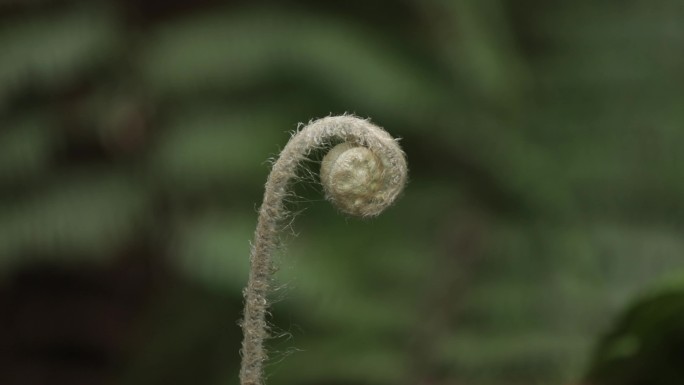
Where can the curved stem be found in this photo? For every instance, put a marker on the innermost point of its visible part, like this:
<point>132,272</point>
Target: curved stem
<point>317,134</point>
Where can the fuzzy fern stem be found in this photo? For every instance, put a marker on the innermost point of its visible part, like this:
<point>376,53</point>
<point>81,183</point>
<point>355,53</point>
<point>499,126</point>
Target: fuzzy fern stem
<point>362,175</point>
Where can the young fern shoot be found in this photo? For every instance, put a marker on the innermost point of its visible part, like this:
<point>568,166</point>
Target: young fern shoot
<point>362,175</point>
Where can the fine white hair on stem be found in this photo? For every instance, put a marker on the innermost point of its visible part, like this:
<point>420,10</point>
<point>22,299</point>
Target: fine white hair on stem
<point>362,175</point>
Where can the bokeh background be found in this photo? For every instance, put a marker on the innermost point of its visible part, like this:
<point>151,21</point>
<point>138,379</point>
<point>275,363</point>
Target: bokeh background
<point>539,240</point>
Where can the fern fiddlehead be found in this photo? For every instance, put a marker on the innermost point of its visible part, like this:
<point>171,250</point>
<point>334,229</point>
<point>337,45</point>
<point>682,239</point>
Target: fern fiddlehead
<point>361,176</point>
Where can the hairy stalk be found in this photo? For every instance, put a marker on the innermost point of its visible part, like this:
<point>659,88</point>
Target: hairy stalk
<point>361,176</point>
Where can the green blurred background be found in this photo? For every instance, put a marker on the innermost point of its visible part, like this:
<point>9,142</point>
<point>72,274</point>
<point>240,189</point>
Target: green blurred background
<point>539,240</point>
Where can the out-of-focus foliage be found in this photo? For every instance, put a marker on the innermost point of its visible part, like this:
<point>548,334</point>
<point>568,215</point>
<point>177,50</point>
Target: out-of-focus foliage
<point>645,346</point>
<point>544,141</point>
